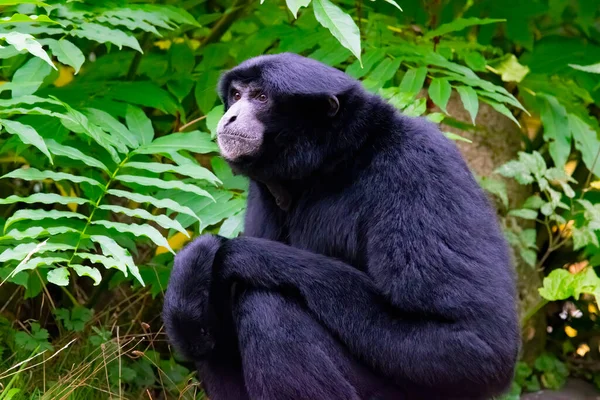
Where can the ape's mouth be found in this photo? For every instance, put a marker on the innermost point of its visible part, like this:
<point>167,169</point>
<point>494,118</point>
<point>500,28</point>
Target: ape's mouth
<point>238,135</point>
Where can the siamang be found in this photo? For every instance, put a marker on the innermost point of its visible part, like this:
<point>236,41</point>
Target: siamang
<point>371,266</point>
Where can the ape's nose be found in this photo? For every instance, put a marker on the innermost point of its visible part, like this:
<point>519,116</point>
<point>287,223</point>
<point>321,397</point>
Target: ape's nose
<point>232,119</point>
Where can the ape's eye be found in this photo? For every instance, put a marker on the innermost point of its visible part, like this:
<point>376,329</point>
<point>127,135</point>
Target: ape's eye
<point>237,95</point>
<point>262,97</point>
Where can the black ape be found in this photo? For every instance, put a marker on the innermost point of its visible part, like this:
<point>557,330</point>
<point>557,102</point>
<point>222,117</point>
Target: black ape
<point>372,266</point>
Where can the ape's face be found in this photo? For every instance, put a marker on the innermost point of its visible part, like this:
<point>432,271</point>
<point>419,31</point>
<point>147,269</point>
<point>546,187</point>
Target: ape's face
<point>240,132</point>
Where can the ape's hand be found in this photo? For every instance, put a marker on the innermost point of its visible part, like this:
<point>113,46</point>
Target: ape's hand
<point>187,312</point>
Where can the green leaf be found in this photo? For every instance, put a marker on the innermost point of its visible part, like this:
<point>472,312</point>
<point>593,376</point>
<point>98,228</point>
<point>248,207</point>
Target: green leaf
<point>22,250</point>
<point>21,18</point>
<point>475,61</point>
<point>468,96</point>
<point>103,34</point>
<point>91,272</point>
<point>496,187</point>
<point>66,52</point>
<point>213,118</point>
<point>107,262</point>
<point>192,170</point>
<point>439,91</point>
<point>37,231</point>
<point>83,125</point>
<point>556,129</point>
<point>137,230</point>
<point>35,262</point>
<point>158,203</point>
<point>38,214</point>
<point>509,69</point>
<point>59,276</point>
<point>45,198</point>
<point>27,134</point>
<point>111,248</point>
<point>32,174</point>
<point>160,219</point>
<point>502,109</point>
<point>594,68</point>
<point>142,180</point>
<point>524,213</point>
<point>205,91</point>
<point>139,124</point>
<point>413,80</point>
<point>195,141</point>
<point>459,24</point>
<point>144,93</point>
<point>392,2</point>
<point>74,154</point>
<point>454,136</point>
<point>294,5</point>
<point>381,74</point>
<point>586,141</point>
<point>24,41</point>
<point>533,202</point>
<point>370,58</point>
<point>110,124</point>
<point>232,226</point>
<point>33,71</point>
<point>340,24</point>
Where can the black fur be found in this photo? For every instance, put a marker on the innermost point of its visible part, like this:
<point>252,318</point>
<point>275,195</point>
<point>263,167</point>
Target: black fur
<point>387,278</point>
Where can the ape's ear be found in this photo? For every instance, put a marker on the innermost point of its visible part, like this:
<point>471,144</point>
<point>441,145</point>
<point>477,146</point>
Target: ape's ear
<point>334,105</point>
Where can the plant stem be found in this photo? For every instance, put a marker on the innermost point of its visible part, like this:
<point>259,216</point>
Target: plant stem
<point>532,311</point>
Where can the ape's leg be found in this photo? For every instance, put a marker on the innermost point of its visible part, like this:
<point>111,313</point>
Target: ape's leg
<point>287,355</point>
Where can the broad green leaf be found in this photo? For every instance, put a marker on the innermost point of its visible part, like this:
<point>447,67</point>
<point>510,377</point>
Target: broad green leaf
<point>192,170</point>
<point>142,180</point>
<point>502,109</point>
<point>586,141</point>
<point>594,68</point>
<point>36,231</point>
<point>509,69</point>
<point>107,262</point>
<point>340,24</point>
<point>91,272</point>
<point>468,96</point>
<point>232,226</point>
<point>439,92</point>
<point>382,73</point>
<point>24,41</point>
<point>143,93</point>
<point>213,118</point>
<point>113,249</point>
<point>102,34</point>
<point>556,129</point>
<point>370,58</point>
<point>21,18</point>
<point>137,230</point>
<point>459,24</point>
<point>139,124</point>
<point>205,91</point>
<point>159,203</point>
<point>32,174</point>
<point>45,198</point>
<point>33,71</point>
<point>74,154</point>
<point>5,103</point>
<point>110,124</point>
<point>83,125</point>
<point>27,134</point>
<point>160,219</point>
<point>195,141</point>
<point>392,2</point>
<point>59,276</point>
<point>66,52</point>
<point>35,262</point>
<point>524,213</point>
<point>294,5</point>
<point>115,19</point>
<point>494,186</point>
<point>413,80</point>
<point>454,136</point>
<point>558,285</point>
<point>475,61</point>
<point>533,202</point>
<point>22,250</point>
<point>38,214</point>
<point>17,2</point>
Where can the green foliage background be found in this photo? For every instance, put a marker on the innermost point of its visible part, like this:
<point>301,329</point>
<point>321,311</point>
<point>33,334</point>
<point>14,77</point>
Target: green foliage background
<point>108,162</point>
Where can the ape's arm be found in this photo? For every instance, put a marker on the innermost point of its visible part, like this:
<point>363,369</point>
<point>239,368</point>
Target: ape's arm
<point>436,350</point>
